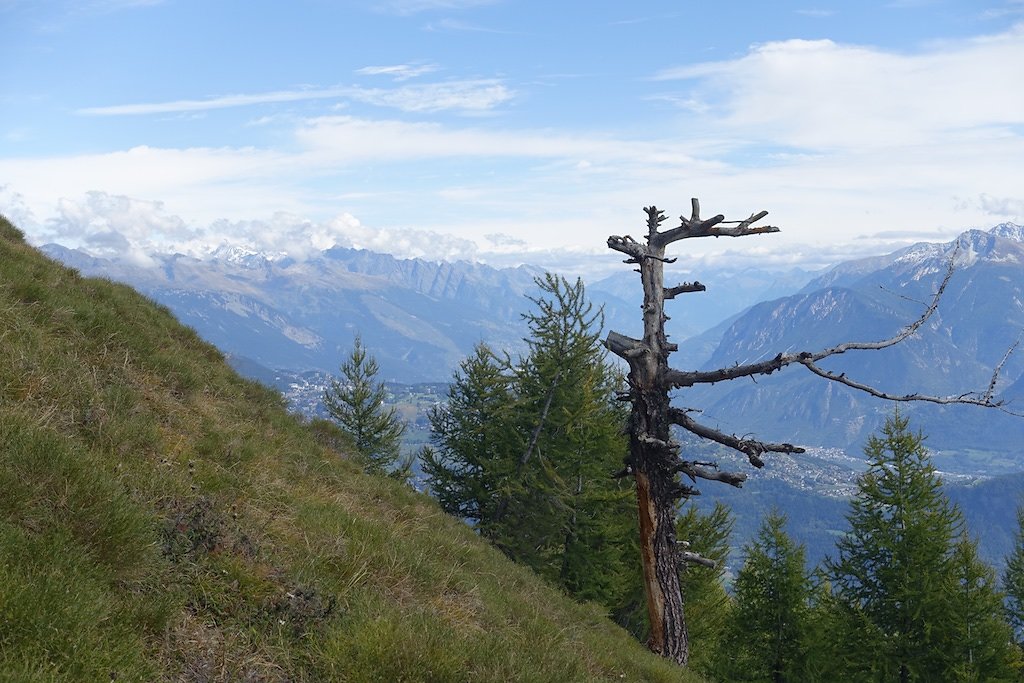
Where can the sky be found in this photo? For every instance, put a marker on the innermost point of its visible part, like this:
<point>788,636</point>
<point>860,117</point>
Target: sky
<point>508,131</point>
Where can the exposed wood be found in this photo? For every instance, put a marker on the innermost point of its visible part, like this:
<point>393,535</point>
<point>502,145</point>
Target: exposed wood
<point>687,557</point>
<point>671,292</point>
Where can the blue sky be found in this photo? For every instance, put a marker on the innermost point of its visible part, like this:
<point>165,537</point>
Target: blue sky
<point>508,131</point>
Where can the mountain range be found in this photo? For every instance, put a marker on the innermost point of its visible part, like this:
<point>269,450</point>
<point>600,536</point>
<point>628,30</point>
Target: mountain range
<point>979,318</point>
<point>288,323</point>
<point>419,318</point>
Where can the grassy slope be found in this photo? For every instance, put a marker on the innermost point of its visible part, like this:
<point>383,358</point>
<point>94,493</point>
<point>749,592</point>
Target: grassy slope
<point>163,519</point>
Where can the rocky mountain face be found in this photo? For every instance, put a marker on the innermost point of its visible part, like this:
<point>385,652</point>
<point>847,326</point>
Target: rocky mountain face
<point>979,318</point>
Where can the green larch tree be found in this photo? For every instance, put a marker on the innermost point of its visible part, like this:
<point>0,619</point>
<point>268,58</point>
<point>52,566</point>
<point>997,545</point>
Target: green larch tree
<point>702,584</point>
<point>766,632</point>
<point>908,594</point>
<point>526,450</point>
<point>981,647</point>
<point>1013,578</point>
<point>356,403</point>
<point>474,441</point>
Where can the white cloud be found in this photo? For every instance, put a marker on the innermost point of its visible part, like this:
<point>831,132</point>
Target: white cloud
<point>14,207</point>
<point>407,7</point>
<point>117,226</point>
<point>1006,207</point>
<point>449,24</point>
<point>301,238</point>
<point>467,95</point>
<point>108,225</point>
<point>351,139</point>
<point>223,102</point>
<point>399,72</point>
<point>819,94</point>
<point>178,176</point>
<point>473,95</point>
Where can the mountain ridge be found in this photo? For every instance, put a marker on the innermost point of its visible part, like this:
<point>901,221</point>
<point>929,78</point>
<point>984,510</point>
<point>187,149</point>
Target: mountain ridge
<point>420,318</point>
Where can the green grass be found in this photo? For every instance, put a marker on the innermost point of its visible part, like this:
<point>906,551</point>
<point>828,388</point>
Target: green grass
<point>163,519</point>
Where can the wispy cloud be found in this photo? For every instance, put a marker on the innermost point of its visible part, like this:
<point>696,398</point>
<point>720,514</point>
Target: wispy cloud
<point>817,13</point>
<point>470,95</point>
<point>407,7</point>
<point>1010,8</point>
<point>1007,207</point>
<point>116,5</point>
<point>223,102</point>
<point>399,72</point>
<point>465,26</point>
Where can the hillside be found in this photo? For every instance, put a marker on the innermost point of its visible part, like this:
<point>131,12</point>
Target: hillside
<point>164,519</point>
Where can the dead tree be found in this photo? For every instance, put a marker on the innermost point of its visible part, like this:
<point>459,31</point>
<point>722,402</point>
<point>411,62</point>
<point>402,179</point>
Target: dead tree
<point>654,458</point>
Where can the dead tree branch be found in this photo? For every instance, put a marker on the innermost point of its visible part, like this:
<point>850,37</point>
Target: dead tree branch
<point>810,361</point>
<point>752,448</point>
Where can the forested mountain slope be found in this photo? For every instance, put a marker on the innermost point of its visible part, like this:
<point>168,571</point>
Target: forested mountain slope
<point>163,519</point>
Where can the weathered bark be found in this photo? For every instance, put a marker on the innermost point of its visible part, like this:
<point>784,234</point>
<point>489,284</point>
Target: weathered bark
<point>653,456</point>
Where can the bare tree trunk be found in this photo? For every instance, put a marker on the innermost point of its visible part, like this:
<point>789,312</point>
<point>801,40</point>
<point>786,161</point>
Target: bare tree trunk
<point>653,457</point>
<point>669,637</point>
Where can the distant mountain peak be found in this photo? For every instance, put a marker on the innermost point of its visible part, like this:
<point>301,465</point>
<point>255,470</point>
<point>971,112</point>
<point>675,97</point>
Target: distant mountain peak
<point>1010,231</point>
<point>244,256</point>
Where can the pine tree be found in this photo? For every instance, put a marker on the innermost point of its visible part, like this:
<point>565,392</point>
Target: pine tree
<point>357,405</point>
<point>526,450</point>
<point>561,510</point>
<point>1013,578</point>
<point>707,603</point>
<point>766,632</point>
<point>981,646</point>
<point>474,441</point>
<point>912,603</point>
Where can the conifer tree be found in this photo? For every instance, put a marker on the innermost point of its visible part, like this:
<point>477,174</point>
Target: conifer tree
<point>527,449</point>
<point>474,441</point>
<point>707,603</point>
<point>981,646</point>
<point>356,403</point>
<point>907,594</point>
<point>766,633</point>
<point>1013,578</point>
